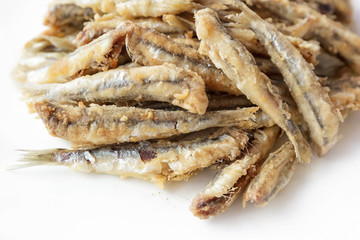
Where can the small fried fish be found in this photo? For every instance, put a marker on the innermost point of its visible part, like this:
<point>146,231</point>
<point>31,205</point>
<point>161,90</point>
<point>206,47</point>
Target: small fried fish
<point>97,125</point>
<point>156,161</point>
<point>165,83</point>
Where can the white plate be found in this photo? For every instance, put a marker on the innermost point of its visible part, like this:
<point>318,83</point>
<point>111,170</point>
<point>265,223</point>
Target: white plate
<point>321,201</point>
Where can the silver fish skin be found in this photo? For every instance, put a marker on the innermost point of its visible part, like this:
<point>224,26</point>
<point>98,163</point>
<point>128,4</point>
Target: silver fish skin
<point>148,47</point>
<point>156,161</point>
<point>275,173</point>
<point>232,179</point>
<point>239,65</point>
<point>165,83</point>
<point>312,99</point>
<point>98,125</point>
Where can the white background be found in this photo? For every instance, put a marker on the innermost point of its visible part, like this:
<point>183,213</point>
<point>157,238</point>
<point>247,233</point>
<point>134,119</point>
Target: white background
<point>321,201</point>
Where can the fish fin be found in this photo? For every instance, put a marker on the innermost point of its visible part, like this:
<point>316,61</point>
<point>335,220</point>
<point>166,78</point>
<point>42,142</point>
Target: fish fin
<point>31,158</point>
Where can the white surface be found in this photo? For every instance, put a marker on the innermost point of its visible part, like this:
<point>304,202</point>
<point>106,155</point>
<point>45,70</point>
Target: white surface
<point>321,201</point>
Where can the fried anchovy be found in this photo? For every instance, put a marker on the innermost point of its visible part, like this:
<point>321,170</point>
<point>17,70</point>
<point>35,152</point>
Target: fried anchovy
<point>100,55</point>
<point>239,65</point>
<point>96,125</point>
<point>108,22</point>
<point>38,54</point>
<point>68,15</point>
<point>332,35</point>
<point>273,176</point>
<point>166,83</point>
<point>345,93</point>
<point>229,182</point>
<point>312,99</point>
<point>299,29</point>
<point>216,102</point>
<point>148,47</point>
<point>151,8</point>
<point>135,8</point>
<point>309,49</point>
<point>156,161</point>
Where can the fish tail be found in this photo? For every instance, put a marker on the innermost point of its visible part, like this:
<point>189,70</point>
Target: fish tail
<point>31,158</point>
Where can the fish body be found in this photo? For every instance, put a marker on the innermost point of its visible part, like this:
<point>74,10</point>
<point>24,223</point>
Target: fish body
<point>156,161</point>
<point>165,83</point>
<point>98,125</point>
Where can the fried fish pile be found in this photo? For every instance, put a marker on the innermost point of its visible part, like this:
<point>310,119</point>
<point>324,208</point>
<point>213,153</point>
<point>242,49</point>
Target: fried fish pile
<point>160,89</point>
